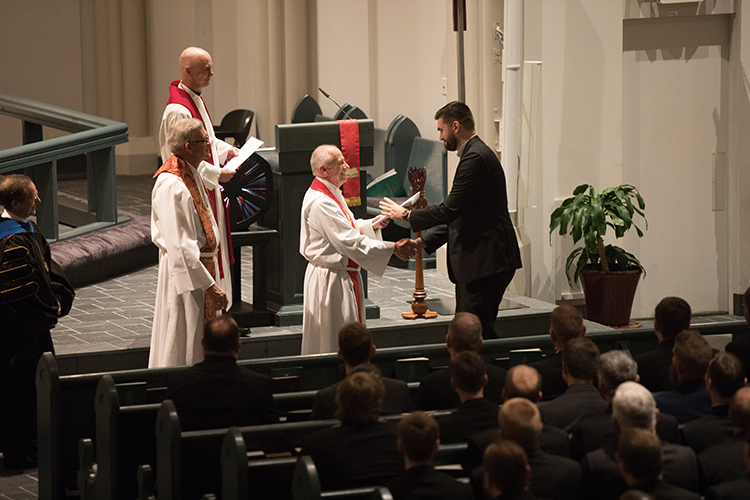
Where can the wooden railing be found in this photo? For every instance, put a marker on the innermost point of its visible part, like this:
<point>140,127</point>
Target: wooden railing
<point>91,136</point>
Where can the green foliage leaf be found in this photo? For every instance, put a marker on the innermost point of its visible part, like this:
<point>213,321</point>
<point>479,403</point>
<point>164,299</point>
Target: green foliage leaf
<point>581,189</point>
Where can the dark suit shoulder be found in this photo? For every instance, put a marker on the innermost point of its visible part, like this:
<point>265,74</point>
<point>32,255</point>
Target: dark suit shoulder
<point>424,482</point>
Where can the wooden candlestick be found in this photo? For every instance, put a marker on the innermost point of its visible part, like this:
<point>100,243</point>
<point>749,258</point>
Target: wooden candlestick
<point>419,307</point>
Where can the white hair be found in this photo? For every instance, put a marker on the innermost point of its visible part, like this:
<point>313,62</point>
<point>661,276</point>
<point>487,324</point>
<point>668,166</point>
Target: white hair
<point>634,406</point>
<point>181,132</point>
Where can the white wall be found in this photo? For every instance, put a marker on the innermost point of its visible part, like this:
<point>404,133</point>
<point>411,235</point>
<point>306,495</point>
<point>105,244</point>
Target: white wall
<point>40,58</point>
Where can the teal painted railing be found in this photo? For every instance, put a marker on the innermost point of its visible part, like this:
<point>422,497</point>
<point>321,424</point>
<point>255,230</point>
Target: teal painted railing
<point>91,136</point>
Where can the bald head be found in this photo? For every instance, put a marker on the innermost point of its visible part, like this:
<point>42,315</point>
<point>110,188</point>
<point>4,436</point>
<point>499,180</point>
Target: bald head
<point>196,68</point>
<point>523,381</point>
<point>328,163</point>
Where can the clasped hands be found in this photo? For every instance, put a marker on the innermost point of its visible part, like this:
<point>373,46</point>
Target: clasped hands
<point>407,248</point>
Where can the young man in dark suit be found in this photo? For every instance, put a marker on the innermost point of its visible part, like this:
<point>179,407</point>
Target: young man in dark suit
<point>566,323</point>
<point>581,399</point>
<point>671,316</point>
<point>418,440</point>
<point>725,376</point>
<point>473,220</point>
<point>640,461</point>
<point>356,350</point>
<point>464,335</point>
<point>216,392</point>
<point>362,451</point>
<point>506,472</point>
<point>475,414</point>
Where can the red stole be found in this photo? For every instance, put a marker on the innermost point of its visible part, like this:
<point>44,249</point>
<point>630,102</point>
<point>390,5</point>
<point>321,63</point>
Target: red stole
<point>319,186</point>
<point>349,134</point>
<point>181,97</point>
<point>179,167</point>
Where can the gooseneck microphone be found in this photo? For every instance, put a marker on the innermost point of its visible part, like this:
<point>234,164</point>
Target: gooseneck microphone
<point>327,96</point>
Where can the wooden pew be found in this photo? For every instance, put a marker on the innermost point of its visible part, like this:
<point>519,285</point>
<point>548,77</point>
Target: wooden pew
<point>306,486</point>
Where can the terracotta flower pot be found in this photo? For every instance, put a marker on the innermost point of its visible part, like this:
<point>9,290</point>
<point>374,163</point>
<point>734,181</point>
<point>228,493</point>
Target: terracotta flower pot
<point>609,296</point>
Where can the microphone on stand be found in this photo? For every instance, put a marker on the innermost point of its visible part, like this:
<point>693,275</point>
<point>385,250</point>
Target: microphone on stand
<point>337,104</point>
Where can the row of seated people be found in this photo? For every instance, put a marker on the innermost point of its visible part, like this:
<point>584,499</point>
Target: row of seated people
<point>705,391</point>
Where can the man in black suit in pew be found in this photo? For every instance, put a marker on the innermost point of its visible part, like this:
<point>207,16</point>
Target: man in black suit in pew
<point>217,393</point>
<point>740,346</point>
<point>419,440</point>
<point>356,350</point>
<point>464,335</point>
<point>475,414</point>
<point>725,376</point>
<point>566,323</point>
<point>633,407</point>
<point>362,451</point>
<point>596,431</point>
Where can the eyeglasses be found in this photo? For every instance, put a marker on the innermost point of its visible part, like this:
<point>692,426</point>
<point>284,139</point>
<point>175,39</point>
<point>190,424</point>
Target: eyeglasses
<point>207,140</point>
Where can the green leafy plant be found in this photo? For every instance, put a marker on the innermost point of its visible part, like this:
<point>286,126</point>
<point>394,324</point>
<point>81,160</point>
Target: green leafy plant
<point>589,215</point>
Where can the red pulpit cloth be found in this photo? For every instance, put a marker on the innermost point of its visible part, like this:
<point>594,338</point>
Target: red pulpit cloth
<point>349,130</point>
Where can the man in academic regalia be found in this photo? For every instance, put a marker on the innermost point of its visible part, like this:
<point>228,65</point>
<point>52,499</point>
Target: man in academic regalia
<point>33,294</point>
<point>185,101</point>
<point>336,245</point>
<point>185,230</point>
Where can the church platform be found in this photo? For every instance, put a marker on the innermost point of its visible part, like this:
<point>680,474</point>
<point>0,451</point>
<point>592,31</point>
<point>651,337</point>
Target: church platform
<point>109,327</point>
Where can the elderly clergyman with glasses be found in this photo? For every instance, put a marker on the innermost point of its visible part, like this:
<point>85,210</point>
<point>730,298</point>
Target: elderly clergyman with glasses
<point>184,228</point>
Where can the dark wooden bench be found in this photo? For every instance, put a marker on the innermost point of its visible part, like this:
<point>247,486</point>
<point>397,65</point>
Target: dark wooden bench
<point>306,486</point>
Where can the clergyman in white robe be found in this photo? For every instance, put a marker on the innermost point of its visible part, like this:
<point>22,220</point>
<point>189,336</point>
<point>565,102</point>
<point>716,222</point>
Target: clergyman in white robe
<point>208,172</point>
<point>177,231</point>
<point>328,241</point>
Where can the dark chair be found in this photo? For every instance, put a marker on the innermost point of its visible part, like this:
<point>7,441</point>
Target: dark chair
<point>235,124</point>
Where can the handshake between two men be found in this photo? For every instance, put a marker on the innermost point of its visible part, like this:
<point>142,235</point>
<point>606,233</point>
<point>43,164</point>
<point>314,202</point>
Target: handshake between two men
<point>406,248</point>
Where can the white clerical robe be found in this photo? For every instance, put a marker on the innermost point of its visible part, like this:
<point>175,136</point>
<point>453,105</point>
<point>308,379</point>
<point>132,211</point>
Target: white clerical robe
<point>328,241</point>
<point>177,231</point>
<point>209,173</point>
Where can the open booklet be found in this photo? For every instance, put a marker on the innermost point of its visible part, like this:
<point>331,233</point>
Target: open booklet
<point>250,147</point>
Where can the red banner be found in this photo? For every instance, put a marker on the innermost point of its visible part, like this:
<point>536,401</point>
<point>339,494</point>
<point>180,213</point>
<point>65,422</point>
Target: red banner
<point>349,131</point>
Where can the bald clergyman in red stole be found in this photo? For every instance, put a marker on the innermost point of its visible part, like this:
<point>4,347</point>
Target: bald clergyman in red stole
<point>185,230</point>
<point>336,245</point>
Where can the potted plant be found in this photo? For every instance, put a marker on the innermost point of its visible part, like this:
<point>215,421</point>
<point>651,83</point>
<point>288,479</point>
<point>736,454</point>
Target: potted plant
<point>609,275</point>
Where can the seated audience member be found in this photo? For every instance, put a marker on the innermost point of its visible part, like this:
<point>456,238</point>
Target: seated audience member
<point>552,476</point>
<point>737,489</point>
<point>475,414</point>
<point>579,364</point>
<point>464,335</point>
<point>418,440</point>
<point>672,315</point>
<point>596,431</point>
<point>640,461</point>
<point>566,323</point>
<point>725,376</point>
<point>355,349</point>
<point>740,346</point>
<point>361,451</point>
<point>726,461</point>
<point>524,381</point>
<point>689,399</point>
<point>633,407</point>
<point>506,472</point>
<point>216,392</point>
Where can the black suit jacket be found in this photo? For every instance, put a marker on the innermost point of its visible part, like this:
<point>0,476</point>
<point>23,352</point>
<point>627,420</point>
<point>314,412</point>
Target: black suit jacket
<point>425,483</point>
<point>709,430</point>
<point>597,431</point>
<point>353,455</point>
<point>550,369</point>
<point>471,417</point>
<point>602,478</point>
<point>722,462</point>
<point>397,400</point>
<point>653,367</point>
<point>740,347</point>
<point>553,441</point>
<point>436,392</point>
<point>579,401</point>
<point>217,393</point>
<point>473,219</point>
<point>662,490</point>
<point>552,477</point>
<point>732,490</point>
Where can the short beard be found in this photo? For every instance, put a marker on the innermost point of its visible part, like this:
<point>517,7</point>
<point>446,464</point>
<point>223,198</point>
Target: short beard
<point>451,144</point>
